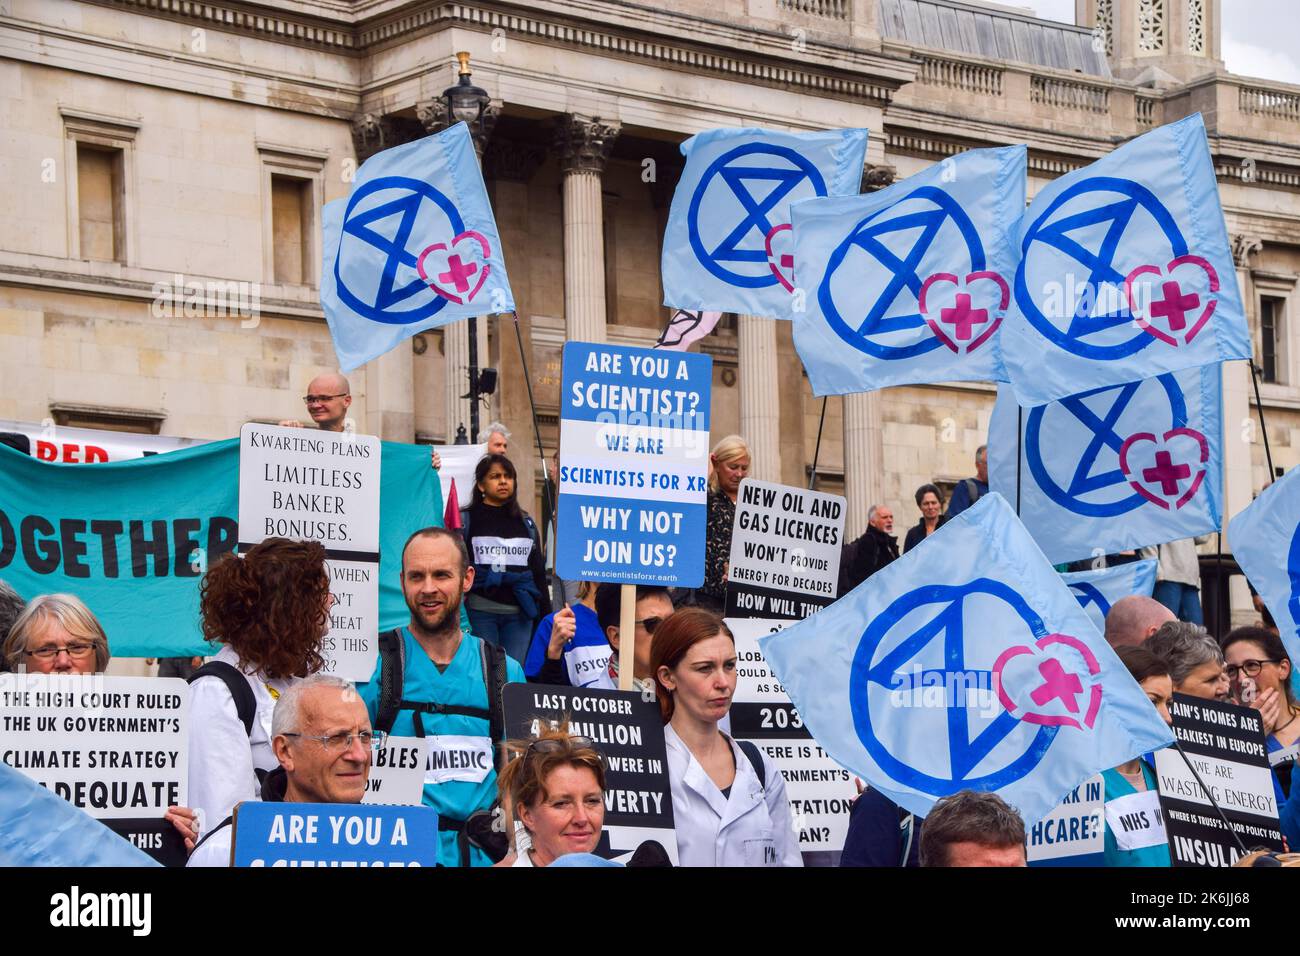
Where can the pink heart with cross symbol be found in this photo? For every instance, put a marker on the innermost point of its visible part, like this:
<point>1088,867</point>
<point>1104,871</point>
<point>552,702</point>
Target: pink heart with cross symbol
<point>1052,683</point>
<point>781,261</point>
<point>1174,304</point>
<point>1158,473</point>
<point>454,284</point>
<point>971,319</point>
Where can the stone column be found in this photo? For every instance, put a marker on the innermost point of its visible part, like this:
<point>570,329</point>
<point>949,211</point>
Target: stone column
<point>584,144</point>
<point>390,413</point>
<point>432,114</point>
<point>760,404</point>
<point>863,459</point>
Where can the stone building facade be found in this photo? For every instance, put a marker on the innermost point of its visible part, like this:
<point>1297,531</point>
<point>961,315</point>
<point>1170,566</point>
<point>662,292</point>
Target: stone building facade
<point>164,163</point>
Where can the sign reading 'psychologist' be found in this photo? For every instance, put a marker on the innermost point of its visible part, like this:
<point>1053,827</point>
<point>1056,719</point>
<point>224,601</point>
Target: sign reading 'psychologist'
<point>634,435</point>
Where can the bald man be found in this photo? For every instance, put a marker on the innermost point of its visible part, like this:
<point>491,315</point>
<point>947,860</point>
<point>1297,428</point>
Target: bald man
<point>328,399</point>
<point>1131,620</point>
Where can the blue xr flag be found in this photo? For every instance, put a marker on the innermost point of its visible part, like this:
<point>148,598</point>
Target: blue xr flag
<point>1125,272</point>
<point>914,279</point>
<point>966,664</point>
<point>1097,590</point>
<point>728,246</point>
<point>414,246</point>
<point>1265,540</point>
<point>1114,468</point>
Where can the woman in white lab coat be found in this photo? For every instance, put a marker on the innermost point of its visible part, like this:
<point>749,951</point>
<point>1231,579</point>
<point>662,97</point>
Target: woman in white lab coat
<point>725,813</point>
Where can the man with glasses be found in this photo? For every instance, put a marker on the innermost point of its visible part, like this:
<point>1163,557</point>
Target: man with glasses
<point>328,399</point>
<point>320,732</point>
<point>653,606</point>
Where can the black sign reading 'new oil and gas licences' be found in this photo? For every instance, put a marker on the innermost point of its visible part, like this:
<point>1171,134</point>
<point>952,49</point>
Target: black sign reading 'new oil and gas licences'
<point>627,728</point>
<point>1225,743</point>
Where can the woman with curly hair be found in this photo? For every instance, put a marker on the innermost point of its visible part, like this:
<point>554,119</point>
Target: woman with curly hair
<point>269,608</point>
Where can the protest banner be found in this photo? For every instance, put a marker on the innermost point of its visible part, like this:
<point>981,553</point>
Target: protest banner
<point>785,551</point>
<point>1074,834</point>
<point>157,837</point>
<point>38,828</point>
<point>113,746</point>
<point>88,446</point>
<point>458,463</point>
<point>397,772</point>
<point>820,790</point>
<point>628,730</point>
<point>133,538</point>
<point>634,437</point>
<point>321,486</point>
<point>333,834</point>
<point>966,664</point>
<point>1225,744</point>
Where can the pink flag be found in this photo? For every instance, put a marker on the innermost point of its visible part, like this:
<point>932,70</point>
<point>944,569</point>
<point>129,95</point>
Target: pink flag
<point>451,516</point>
<point>686,327</point>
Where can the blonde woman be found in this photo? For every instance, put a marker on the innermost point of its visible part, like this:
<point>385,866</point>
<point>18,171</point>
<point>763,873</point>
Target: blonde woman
<point>729,463</point>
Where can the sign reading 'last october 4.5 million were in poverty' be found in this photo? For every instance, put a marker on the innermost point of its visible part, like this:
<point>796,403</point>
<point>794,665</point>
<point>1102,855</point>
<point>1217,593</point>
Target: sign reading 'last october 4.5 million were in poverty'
<point>634,442</point>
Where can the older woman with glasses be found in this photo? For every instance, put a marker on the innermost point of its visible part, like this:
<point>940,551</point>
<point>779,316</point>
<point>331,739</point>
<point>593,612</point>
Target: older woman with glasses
<point>554,787</point>
<point>58,634</point>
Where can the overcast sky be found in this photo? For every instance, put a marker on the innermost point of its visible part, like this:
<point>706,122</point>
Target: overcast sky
<point>1261,38</point>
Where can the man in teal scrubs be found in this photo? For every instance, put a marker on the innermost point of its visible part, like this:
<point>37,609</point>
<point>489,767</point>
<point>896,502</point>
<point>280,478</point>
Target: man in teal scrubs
<point>444,666</point>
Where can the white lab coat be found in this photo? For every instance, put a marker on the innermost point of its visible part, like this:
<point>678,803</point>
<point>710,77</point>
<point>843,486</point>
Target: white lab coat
<point>752,827</point>
<point>222,757</point>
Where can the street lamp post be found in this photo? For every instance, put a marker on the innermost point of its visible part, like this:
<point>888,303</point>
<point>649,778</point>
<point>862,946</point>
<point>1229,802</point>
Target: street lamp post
<point>467,103</point>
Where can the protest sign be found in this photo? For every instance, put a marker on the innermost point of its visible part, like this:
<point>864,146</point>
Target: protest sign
<point>628,730</point>
<point>634,441</point>
<point>820,790</point>
<point>156,836</point>
<point>785,551</point>
<point>88,446</point>
<point>397,772</point>
<point>113,746</point>
<point>1225,743</point>
<point>321,486</point>
<point>1073,834</point>
<point>333,834</point>
<point>133,538</point>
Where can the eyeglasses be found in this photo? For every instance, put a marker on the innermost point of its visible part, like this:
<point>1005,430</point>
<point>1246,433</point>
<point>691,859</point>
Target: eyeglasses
<point>338,743</point>
<point>1251,668</point>
<point>650,623</point>
<point>320,399</point>
<point>555,745</point>
<point>76,651</point>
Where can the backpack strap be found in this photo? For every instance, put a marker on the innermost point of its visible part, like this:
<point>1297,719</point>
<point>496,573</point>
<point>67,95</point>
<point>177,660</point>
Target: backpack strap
<point>494,679</point>
<point>237,684</point>
<point>756,760</point>
<point>392,672</point>
<point>972,489</point>
<point>224,823</point>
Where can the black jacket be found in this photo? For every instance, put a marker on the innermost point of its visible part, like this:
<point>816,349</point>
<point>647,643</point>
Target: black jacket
<point>916,533</point>
<point>864,556</point>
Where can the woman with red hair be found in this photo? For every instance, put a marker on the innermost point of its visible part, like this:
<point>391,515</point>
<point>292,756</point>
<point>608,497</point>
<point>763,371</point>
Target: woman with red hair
<point>729,801</point>
<point>269,608</point>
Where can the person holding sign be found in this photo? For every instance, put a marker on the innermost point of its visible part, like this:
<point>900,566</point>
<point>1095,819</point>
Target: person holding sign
<point>433,681</point>
<point>1259,670</point>
<point>321,737</point>
<point>58,634</point>
<point>729,801</point>
<point>1135,832</point>
<point>569,647</point>
<point>269,608</point>
<point>510,593</point>
<point>729,465</point>
<point>555,787</point>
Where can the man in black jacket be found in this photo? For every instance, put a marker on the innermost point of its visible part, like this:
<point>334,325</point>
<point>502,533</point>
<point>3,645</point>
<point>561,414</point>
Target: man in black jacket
<point>866,555</point>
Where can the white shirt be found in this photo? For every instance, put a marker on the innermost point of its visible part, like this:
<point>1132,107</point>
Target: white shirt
<point>751,827</point>
<point>222,757</point>
<point>215,850</point>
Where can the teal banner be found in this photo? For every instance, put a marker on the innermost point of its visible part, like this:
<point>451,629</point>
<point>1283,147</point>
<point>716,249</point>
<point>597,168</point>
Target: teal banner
<point>133,538</point>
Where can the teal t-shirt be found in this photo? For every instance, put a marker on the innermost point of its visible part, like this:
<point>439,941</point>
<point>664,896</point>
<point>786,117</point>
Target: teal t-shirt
<point>1116,787</point>
<point>461,776</point>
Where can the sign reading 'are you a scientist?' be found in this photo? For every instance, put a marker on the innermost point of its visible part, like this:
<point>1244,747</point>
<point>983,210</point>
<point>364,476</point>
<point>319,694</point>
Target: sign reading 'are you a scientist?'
<point>634,452</point>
